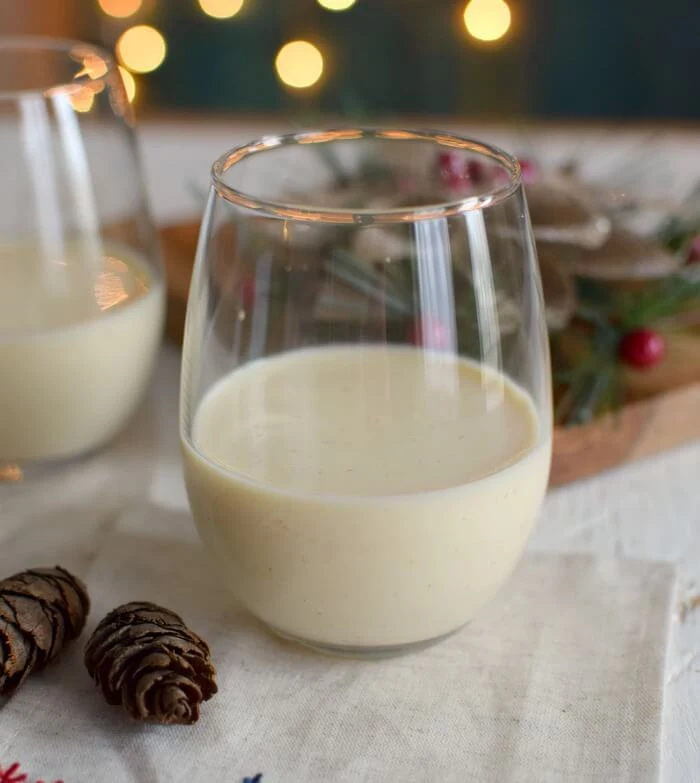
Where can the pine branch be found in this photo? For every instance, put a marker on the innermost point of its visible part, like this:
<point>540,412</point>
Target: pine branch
<point>677,230</point>
<point>592,384</point>
<point>661,301</point>
<point>361,276</point>
<point>331,160</point>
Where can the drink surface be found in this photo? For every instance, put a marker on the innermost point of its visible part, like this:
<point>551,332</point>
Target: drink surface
<point>365,421</point>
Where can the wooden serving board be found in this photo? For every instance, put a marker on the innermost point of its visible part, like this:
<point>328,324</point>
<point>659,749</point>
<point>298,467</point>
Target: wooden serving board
<point>178,245</point>
<point>638,430</point>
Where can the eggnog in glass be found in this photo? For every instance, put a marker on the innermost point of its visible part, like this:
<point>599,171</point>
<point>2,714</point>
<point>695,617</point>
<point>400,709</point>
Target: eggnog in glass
<point>81,288</point>
<point>365,410</point>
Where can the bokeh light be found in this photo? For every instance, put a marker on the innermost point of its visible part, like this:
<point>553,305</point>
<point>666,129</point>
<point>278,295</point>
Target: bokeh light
<point>221,9</point>
<point>487,20</point>
<point>129,83</point>
<point>141,49</point>
<point>82,99</point>
<point>299,64</point>
<point>120,9</point>
<point>94,66</point>
<point>336,5</point>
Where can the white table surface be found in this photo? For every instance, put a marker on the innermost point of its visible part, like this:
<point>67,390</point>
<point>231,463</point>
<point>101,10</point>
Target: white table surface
<point>646,510</point>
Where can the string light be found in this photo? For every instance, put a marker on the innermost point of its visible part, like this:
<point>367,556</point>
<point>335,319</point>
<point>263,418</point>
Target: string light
<point>129,83</point>
<point>336,5</point>
<point>120,8</point>
<point>487,20</point>
<point>141,49</point>
<point>82,99</point>
<point>299,64</point>
<point>94,66</point>
<point>221,9</point>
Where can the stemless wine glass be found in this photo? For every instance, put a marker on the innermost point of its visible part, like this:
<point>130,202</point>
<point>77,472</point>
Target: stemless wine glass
<point>366,402</point>
<point>81,287</point>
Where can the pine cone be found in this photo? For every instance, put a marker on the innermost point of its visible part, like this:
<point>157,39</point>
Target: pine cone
<point>40,610</point>
<point>146,659</point>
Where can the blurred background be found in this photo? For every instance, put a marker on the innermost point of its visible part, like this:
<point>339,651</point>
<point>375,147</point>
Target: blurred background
<point>501,59</point>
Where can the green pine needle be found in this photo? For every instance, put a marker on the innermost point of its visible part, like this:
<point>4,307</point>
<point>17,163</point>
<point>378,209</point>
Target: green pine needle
<point>659,301</point>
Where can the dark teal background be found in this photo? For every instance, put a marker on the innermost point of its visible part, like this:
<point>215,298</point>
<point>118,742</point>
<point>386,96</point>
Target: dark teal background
<point>563,58</point>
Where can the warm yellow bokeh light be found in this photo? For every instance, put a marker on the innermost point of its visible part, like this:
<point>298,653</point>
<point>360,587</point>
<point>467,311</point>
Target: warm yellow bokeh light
<point>336,5</point>
<point>299,64</point>
<point>82,99</point>
<point>129,84</point>
<point>120,8</point>
<point>141,49</point>
<point>221,9</point>
<point>94,66</point>
<point>487,20</point>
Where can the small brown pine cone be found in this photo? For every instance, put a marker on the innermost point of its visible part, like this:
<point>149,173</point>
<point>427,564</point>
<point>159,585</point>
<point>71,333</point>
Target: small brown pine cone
<point>40,610</point>
<point>146,659</point>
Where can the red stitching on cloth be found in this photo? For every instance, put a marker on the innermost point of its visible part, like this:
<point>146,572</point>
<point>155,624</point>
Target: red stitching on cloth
<point>9,776</point>
<point>13,774</point>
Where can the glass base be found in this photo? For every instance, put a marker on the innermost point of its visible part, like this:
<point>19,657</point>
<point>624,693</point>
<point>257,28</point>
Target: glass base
<point>363,653</point>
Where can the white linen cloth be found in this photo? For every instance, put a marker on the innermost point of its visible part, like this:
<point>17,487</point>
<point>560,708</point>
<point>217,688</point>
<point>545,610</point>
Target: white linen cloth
<point>559,679</point>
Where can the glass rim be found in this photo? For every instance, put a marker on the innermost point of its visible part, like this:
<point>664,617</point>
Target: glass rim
<point>319,214</point>
<point>66,46</point>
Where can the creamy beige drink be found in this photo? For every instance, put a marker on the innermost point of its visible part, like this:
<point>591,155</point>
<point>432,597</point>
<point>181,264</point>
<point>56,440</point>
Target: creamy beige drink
<point>366,496</point>
<point>78,338</point>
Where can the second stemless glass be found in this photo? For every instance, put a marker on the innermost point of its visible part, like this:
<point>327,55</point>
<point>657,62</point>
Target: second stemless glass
<point>366,407</point>
<point>81,286</point>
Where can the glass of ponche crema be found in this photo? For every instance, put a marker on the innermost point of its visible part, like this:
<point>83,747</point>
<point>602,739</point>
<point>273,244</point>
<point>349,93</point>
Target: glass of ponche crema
<point>366,416</point>
<point>81,286</point>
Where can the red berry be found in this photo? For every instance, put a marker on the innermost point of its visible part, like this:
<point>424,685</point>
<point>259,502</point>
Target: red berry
<point>642,348</point>
<point>429,333</point>
<point>248,292</point>
<point>528,171</point>
<point>475,172</point>
<point>694,252</point>
<point>450,164</point>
